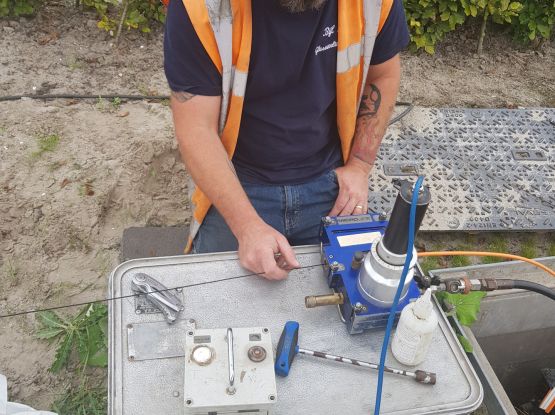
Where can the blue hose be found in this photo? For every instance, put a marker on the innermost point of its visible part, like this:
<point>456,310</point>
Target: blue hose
<point>393,311</point>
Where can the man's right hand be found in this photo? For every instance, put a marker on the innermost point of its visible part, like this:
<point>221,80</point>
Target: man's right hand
<point>264,250</point>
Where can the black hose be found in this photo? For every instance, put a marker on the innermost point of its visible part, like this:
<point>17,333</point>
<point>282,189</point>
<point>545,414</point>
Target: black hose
<point>526,285</point>
<point>152,98</point>
<point>405,112</point>
<point>84,96</point>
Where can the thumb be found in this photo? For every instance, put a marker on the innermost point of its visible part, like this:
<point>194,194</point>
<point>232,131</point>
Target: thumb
<point>287,252</point>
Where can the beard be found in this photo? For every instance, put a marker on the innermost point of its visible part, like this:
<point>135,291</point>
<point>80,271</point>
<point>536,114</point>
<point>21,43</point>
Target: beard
<point>298,6</point>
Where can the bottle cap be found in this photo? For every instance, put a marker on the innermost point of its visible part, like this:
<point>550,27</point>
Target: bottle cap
<point>423,306</point>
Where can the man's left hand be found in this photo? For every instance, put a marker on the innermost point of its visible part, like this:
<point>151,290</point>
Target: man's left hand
<point>353,189</point>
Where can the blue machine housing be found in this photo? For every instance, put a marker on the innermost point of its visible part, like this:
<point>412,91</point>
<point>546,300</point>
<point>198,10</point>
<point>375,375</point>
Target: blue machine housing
<point>358,314</point>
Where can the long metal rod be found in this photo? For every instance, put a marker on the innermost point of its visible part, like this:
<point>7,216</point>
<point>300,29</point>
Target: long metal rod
<point>420,376</point>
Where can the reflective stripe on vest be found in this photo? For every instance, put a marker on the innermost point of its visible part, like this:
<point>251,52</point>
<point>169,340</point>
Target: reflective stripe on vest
<point>224,28</point>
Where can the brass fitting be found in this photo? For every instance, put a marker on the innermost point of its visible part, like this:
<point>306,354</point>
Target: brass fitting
<point>312,301</point>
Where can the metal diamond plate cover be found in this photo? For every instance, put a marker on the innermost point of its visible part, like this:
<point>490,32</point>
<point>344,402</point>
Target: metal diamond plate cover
<point>488,169</point>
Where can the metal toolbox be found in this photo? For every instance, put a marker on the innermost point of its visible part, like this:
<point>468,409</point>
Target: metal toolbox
<point>147,355</point>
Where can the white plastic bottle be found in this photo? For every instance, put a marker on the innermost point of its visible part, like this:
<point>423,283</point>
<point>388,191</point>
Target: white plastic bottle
<point>415,330</point>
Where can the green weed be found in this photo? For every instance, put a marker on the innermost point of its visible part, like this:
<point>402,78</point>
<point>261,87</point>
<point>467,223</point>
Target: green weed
<point>551,249</point>
<point>101,104</point>
<point>11,272</point>
<point>84,400</point>
<point>86,189</point>
<point>497,244</point>
<point>116,103</point>
<point>429,263</point>
<point>84,335</point>
<point>460,261</point>
<point>46,143</point>
<point>528,248</point>
<point>74,63</point>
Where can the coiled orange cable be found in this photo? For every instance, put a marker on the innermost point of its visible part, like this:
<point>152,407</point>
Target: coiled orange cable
<point>494,254</point>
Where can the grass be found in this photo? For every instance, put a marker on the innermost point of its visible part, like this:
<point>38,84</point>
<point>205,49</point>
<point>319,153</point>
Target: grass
<point>11,272</point>
<point>46,143</point>
<point>528,248</point>
<point>83,400</point>
<point>551,249</point>
<point>499,243</point>
<point>86,189</point>
<point>101,104</point>
<point>116,103</point>
<point>104,105</point>
<point>74,63</point>
<point>460,261</point>
<point>429,263</point>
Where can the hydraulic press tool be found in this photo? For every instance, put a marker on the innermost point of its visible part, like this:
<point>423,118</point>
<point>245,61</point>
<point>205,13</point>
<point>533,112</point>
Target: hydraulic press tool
<point>364,257</point>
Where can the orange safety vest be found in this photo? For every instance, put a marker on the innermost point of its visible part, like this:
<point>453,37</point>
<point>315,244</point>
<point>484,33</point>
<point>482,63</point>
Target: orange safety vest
<point>224,28</point>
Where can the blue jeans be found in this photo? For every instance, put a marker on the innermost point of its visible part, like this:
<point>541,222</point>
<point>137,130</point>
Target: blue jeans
<point>294,210</point>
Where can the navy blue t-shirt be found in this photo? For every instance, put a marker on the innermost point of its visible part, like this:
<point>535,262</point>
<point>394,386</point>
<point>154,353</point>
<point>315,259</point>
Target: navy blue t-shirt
<point>288,131</point>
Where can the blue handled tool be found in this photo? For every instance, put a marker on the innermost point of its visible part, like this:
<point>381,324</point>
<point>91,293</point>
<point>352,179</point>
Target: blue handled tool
<point>288,347</point>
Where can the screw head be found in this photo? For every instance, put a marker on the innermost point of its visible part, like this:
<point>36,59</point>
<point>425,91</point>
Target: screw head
<point>257,354</point>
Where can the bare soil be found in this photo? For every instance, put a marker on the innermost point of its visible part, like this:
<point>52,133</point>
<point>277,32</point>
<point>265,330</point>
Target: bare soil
<point>117,165</point>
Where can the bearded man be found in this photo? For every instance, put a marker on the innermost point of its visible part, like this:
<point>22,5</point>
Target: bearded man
<point>279,108</point>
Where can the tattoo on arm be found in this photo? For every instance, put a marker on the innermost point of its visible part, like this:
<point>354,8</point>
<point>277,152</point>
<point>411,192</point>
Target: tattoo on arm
<point>370,102</point>
<point>369,130</point>
<point>182,96</point>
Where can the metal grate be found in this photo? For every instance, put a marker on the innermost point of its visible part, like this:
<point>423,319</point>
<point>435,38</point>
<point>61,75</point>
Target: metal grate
<point>488,169</point>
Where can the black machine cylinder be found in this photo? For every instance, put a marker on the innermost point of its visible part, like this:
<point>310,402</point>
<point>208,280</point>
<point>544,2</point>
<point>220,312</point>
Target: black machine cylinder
<point>397,233</point>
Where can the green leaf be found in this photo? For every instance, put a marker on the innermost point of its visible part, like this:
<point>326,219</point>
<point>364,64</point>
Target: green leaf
<point>445,16</point>
<point>465,343</point>
<point>515,6</point>
<point>430,49</point>
<point>467,306</point>
<point>473,10</point>
<point>544,30</point>
<point>51,319</point>
<point>99,359</point>
<point>49,333</point>
<point>63,353</point>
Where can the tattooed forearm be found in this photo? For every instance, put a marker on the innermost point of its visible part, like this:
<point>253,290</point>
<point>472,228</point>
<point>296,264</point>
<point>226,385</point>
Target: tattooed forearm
<point>370,102</point>
<point>370,128</point>
<point>367,140</point>
<point>182,96</point>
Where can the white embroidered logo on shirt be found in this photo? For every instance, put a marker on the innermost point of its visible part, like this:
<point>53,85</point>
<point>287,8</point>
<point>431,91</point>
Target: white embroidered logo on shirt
<point>329,31</point>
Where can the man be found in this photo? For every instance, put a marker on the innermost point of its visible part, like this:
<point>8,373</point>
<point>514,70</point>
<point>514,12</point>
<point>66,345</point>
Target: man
<point>279,109</point>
